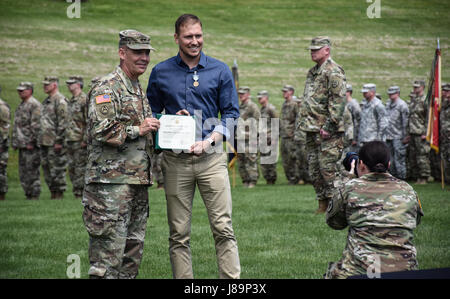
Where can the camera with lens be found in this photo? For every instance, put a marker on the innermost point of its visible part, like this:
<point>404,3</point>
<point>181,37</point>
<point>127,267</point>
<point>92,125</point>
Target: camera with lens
<point>349,158</point>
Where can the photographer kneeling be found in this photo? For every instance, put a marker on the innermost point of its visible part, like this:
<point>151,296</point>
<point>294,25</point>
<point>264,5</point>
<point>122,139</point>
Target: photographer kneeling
<point>381,212</point>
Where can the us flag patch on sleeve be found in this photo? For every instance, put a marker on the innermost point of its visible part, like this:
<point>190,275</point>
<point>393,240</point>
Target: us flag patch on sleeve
<point>103,98</point>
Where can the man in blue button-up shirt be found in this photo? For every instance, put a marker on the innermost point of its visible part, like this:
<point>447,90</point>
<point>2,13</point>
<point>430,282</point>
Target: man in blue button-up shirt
<point>192,83</point>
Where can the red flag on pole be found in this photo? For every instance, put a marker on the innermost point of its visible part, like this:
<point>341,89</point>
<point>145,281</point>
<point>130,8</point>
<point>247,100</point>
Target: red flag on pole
<point>435,102</point>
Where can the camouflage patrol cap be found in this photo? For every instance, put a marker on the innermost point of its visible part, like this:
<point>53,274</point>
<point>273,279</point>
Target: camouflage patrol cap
<point>418,83</point>
<point>24,86</point>
<point>446,86</point>
<point>288,87</point>
<point>263,93</point>
<point>393,89</point>
<point>244,89</point>
<point>75,79</point>
<point>369,87</point>
<point>319,42</point>
<point>349,87</point>
<point>134,40</point>
<point>50,79</point>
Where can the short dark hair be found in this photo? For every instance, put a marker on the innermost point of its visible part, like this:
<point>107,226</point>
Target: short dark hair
<point>183,19</point>
<point>376,156</point>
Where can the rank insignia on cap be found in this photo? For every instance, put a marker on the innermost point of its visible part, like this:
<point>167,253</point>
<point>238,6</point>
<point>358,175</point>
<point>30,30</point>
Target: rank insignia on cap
<point>104,98</point>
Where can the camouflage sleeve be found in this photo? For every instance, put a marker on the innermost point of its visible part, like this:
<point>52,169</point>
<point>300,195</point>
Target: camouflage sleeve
<point>35,124</point>
<point>63,120</point>
<point>405,118</point>
<point>419,209</point>
<point>85,115</point>
<point>5,117</point>
<point>348,124</point>
<point>335,216</point>
<point>382,121</point>
<point>356,117</point>
<point>104,124</point>
<point>336,101</point>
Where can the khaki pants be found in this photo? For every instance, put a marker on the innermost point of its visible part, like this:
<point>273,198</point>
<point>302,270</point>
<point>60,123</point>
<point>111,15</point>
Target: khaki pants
<point>182,173</point>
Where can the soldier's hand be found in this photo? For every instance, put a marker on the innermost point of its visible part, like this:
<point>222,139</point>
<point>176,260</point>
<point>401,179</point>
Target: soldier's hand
<point>324,134</point>
<point>30,147</point>
<point>57,147</point>
<point>423,137</point>
<point>148,125</point>
<point>406,139</point>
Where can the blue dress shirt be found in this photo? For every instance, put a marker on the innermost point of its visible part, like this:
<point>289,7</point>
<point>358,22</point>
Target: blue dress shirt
<point>171,88</point>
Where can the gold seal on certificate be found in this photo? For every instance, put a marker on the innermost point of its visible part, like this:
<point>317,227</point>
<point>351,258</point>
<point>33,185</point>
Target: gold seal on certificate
<point>175,132</point>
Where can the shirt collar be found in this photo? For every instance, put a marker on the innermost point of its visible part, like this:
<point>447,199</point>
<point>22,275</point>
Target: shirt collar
<point>126,81</point>
<point>201,64</point>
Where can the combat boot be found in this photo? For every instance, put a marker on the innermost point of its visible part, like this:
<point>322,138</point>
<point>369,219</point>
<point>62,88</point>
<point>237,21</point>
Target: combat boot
<point>2,196</point>
<point>323,205</point>
<point>58,195</point>
<point>421,181</point>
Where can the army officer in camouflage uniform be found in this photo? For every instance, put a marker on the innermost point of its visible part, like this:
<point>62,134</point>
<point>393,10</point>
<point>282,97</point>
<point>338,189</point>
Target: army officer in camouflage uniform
<point>52,137</point>
<point>321,118</point>
<point>381,213</point>
<point>76,134</point>
<point>117,175</point>
<point>27,124</point>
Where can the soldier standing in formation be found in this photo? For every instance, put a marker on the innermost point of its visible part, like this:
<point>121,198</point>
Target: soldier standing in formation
<point>398,114</point>
<point>117,175</point>
<point>301,157</point>
<point>247,136</point>
<point>373,116</point>
<point>321,115</point>
<point>268,112</point>
<point>444,131</point>
<point>27,125</point>
<point>5,119</point>
<point>289,111</point>
<point>54,122</point>
<point>419,161</point>
<point>76,134</point>
<point>355,110</point>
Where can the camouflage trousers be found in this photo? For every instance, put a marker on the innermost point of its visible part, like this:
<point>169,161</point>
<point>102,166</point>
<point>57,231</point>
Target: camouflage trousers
<point>248,167</point>
<point>29,171</point>
<point>269,171</point>
<point>77,159</point>
<point>418,158</point>
<point>323,157</point>
<point>4,154</point>
<point>288,157</point>
<point>398,158</point>
<point>301,161</point>
<point>156,168</point>
<point>445,157</point>
<point>115,216</point>
<point>54,166</point>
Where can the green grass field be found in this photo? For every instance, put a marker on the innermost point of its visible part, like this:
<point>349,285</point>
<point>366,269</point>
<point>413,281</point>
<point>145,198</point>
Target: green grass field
<point>278,234</point>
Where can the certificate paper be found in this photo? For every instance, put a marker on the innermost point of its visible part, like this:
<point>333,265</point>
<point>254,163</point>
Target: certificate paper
<point>175,132</point>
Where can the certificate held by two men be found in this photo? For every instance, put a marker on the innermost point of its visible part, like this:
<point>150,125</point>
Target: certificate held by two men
<point>175,132</point>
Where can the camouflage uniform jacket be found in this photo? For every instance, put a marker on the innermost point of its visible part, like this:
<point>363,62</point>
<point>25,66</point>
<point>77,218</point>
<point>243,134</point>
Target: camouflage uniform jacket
<point>323,98</point>
<point>289,111</point>
<point>54,120</point>
<point>77,118</point>
<point>381,212</point>
<point>355,109</point>
<point>5,119</point>
<point>444,119</point>
<point>267,113</point>
<point>116,152</point>
<point>374,122</point>
<point>27,123</point>
<point>249,112</point>
<point>418,109</point>
<point>398,114</point>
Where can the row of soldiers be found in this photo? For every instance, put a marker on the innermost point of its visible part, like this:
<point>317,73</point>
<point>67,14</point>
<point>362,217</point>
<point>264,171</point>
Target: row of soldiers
<point>401,125</point>
<point>52,134</point>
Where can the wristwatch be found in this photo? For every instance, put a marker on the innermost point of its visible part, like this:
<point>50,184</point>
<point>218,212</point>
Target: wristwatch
<point>211,141</point>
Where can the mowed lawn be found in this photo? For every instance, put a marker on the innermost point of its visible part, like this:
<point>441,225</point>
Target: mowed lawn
<point>278,234</point>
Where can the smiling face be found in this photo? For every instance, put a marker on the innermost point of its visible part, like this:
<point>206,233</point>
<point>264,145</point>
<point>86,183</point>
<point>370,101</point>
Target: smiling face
<point>190,40</point>
<point>134,62</point>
